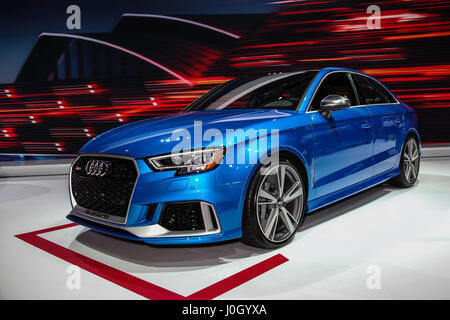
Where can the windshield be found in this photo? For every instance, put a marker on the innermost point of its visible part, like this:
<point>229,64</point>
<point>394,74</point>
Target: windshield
<point>272,91</point>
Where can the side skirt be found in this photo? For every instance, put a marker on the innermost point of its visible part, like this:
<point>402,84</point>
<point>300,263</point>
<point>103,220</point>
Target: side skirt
<point>351,190</point>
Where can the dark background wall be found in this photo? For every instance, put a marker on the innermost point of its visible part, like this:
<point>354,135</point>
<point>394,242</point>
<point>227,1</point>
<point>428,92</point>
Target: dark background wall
<point>21,21</point>
<point>59,92</point>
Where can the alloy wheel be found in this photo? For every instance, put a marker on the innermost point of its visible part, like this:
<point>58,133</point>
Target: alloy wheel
<point>411,160</point>
<point>279,202</point>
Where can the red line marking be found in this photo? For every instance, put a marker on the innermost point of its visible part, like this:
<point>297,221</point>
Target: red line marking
<point>239,278</point>
<point>123,279</point>
<point>64,226</point>
<point>137,285</point>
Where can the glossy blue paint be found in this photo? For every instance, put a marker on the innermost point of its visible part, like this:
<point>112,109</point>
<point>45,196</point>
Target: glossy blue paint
<point>342,149</point>
<point>355,149</point>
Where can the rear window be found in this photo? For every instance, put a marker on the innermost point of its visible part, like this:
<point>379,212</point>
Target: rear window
<point>371,92</point>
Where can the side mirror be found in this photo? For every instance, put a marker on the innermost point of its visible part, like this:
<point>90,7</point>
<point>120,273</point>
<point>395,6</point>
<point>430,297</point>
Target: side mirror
<point>333,102</point>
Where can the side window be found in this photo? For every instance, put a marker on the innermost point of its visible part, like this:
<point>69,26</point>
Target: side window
<point>370,91</point>
<point>335,83</point>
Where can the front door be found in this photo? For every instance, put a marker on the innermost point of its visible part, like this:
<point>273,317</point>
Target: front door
<point>343,143</point>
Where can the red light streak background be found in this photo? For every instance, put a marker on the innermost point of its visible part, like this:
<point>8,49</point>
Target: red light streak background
<point>409,54</point>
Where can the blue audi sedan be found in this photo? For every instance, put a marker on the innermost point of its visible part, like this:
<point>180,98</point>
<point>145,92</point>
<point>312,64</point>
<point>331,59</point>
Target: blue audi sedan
<point>248,159</point>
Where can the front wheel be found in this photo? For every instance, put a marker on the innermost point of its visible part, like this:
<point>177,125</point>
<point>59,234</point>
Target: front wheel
<point>274,207</point>
<point>409,164</point>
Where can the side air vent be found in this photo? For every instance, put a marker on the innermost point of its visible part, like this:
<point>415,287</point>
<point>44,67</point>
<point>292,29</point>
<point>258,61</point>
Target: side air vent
<point>189,216</point>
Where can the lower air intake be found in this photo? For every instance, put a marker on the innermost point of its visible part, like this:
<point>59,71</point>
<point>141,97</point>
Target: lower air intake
<point>182,216</point>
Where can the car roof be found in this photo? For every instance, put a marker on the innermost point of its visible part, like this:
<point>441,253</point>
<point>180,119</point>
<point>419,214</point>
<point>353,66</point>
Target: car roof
<point>297,71</point>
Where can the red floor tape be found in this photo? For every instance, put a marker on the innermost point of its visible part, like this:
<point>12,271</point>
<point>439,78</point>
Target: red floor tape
<point>139,286</point>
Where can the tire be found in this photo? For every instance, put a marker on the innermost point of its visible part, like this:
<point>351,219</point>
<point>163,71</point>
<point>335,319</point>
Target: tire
<point>409,164</point>
<point>265,210</point>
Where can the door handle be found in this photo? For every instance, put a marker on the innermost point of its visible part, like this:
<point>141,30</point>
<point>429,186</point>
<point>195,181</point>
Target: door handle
<point>397,121</point>
<point>366,125</point>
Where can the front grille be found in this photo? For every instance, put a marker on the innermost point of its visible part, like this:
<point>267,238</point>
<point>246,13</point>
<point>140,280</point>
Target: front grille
<point>109,192</point>
<point>182,216</point>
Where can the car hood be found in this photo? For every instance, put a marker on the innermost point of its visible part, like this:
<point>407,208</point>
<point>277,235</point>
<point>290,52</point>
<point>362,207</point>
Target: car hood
<point>152,136</point>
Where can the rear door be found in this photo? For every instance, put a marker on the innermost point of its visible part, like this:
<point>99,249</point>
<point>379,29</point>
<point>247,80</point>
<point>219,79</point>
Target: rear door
<point>386,120</point>
<point>343,143</point>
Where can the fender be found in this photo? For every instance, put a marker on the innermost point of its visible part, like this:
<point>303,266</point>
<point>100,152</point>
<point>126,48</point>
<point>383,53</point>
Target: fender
<point>295,152</point>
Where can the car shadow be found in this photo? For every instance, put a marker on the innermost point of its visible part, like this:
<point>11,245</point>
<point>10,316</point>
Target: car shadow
<point>142,256</point>
<point>346,205</point>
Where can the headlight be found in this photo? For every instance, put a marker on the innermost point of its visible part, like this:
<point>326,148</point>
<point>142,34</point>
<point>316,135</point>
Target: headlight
<point>188,161</point>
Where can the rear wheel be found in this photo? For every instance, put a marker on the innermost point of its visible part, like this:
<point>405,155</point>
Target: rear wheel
<point>274,206</point>
<point>409,164</point>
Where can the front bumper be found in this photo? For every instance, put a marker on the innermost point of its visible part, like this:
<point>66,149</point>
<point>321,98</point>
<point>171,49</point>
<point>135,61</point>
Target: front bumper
<point>208,216</point>
<point>219,193</point>
<point>153,234</point>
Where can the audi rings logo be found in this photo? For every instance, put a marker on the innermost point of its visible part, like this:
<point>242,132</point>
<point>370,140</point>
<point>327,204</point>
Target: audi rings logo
<point>96,168</point>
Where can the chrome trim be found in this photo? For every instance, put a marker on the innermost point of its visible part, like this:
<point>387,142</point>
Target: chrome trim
<point>75,206</point>
<point>357,106</point>
<point>158,231</point>
<point>96,168</point>
<point>207,221</point>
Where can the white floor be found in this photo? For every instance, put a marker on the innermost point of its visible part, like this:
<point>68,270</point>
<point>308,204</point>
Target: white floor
<point>385,243</point>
